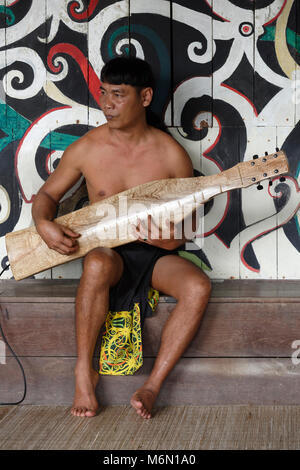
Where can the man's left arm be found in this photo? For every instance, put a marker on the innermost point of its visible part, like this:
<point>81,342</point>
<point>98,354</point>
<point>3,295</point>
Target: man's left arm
<point>182,232</point>
<point>169,237</point>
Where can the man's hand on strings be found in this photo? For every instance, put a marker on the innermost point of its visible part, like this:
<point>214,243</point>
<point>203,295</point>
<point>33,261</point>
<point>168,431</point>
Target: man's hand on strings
<point>58,237</point>
<point>152,234</point>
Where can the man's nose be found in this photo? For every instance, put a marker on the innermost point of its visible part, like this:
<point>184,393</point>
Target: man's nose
<point>108,102</point>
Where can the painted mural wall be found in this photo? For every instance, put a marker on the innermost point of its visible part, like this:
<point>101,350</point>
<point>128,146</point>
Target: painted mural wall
<point>228,88</point>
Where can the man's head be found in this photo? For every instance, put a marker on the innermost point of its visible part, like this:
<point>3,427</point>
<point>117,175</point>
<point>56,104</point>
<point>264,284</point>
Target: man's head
<point>130,71</point>
<point>126,91</point>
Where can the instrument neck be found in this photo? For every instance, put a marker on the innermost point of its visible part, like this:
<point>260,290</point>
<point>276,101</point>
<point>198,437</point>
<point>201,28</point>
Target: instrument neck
<point>208,187</point>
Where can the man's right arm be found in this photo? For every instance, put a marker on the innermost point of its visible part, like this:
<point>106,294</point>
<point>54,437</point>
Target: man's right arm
<point>56,236</point>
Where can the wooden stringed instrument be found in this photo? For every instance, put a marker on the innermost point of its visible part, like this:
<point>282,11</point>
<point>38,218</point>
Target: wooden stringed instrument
<point>105,222</point>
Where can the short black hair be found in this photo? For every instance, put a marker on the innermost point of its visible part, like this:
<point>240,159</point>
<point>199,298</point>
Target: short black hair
<point>137,73</point>
<point>128,70</point>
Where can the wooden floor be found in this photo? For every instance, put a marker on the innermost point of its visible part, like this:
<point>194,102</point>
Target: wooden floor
<point>27,427</point>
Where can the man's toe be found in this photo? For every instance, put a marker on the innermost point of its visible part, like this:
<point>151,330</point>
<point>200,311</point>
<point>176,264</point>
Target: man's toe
<point>136,402</point>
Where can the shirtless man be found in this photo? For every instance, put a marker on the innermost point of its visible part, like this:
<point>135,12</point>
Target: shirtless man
<point>123,153</point>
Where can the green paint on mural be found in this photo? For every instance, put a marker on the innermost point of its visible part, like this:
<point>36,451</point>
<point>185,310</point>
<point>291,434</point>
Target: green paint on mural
<point>57,141</point>
<point>297,225</point>
<point>14,125</point>
<point>269,34</point>
<point>293,39</point>
<point>194,259</point>
<point>122,29</point>
<point>162,52</point>
<point>10,17</point>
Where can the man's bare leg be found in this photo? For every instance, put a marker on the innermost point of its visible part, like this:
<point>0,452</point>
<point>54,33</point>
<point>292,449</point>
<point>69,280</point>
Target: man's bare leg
<point>102,269</point>
<point>186,282</point>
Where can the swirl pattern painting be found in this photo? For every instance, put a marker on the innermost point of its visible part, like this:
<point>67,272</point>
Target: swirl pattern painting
<point>228,88</point>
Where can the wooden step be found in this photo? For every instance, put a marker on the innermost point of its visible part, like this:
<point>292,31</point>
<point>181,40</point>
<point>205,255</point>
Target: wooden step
<point>241,354</point>
<point>200,381</point>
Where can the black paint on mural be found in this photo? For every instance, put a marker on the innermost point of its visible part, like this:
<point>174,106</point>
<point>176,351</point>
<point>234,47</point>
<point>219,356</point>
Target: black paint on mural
<point>173,48</point>
<point>9,182</point>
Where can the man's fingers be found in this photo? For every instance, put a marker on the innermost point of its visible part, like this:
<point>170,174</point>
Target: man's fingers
<point>60,251</point>
<point>133,230</point>
<point>143,232</point>
<point>64,249</point>
<point>148,231</point>
<point>153,229</point>
<point>69,242</point>
<point>70,232</point>
<point>69,249</point>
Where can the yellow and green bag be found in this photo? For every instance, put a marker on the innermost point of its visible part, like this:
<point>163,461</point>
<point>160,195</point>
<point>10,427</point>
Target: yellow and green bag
<point>121,347</point>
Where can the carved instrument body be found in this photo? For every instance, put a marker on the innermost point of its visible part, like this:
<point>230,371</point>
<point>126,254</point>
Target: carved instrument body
<point>105,223</point>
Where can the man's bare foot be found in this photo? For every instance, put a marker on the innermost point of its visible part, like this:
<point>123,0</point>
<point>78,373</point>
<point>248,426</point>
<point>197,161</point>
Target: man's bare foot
<point>85,403</point>
<point>143,400</point>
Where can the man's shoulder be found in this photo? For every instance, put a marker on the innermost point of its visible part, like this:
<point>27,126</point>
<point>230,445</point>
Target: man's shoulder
<point>91,137</point>
<point>177,156</point>
<point>167,138</point>
<point>86,142</point>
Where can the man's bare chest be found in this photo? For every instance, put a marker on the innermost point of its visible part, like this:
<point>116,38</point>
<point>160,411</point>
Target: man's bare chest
<point>118,175</point>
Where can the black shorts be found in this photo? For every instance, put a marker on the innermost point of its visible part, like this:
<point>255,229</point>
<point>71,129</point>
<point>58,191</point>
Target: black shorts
<point>139,260</point>
<point>131,300</point>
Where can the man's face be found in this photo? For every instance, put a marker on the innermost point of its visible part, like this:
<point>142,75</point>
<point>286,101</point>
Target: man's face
<point>123,105</point>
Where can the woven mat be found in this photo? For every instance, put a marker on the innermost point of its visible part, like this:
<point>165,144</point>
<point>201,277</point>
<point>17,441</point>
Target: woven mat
<point>173,427</point>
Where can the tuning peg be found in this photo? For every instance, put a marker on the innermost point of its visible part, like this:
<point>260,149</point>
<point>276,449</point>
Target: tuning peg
<point>270,183</point>
<point>282,179</point>
<point>266,153</point>
<point>277,149</point>
<point>255,156</point>
<point>259,187</point>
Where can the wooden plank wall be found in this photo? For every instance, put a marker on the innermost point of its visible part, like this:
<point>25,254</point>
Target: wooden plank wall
<point>228,88</point>
<point>246,350</point>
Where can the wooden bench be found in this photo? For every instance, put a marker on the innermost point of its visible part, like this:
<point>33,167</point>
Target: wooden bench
<point>241,354</point>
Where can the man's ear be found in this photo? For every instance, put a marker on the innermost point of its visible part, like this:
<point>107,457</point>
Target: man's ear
<point>146,95</point>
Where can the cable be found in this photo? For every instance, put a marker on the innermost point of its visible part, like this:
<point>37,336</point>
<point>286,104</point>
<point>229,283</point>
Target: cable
<point>21,367</point>
<point>6,267</point>
<point>16,357</point>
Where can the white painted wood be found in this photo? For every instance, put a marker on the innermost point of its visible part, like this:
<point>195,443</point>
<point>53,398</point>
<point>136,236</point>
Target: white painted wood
<point>288,256</point>
<point>280,110</point>
<point>296,95</point>
<point>241,46</point>
<point>71,270</point>
<point>198,86</point>
<point>257,208</point>
<point>97,28</point>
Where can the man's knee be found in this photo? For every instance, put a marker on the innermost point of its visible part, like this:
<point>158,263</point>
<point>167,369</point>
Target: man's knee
<point>101,263</point>
<point>196,287</point>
